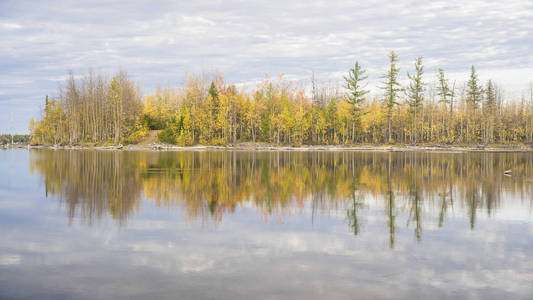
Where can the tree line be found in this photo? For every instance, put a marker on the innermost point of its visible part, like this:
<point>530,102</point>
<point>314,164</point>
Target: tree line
<point>210,111</point>
<point>14,139</point>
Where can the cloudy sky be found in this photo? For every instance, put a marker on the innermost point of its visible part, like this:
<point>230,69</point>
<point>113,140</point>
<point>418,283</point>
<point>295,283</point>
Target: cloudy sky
<point>160,42</point>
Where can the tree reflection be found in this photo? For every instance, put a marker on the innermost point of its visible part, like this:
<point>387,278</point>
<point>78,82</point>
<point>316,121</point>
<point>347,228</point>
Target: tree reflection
<point>390,203</point>
<point>415,199</point>
<point>209,185</point>
<point>352,214</point>
<point>91,183</point>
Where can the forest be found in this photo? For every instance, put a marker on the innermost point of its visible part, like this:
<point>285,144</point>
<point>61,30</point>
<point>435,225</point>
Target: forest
<point>94,110</point>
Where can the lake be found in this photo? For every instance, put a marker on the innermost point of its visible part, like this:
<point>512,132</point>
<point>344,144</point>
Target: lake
<point>87,224</point>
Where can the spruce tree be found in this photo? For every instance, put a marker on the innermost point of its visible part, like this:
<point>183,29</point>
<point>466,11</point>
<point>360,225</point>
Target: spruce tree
<point>489,108</point>
<point>490,102</point>
<point>415,92</point>
<point>356,95</point>
<point>392,88</point>
<point>443,89</point>
<point>213,91</point>
<point>474,91</point>
<point>446,97</point>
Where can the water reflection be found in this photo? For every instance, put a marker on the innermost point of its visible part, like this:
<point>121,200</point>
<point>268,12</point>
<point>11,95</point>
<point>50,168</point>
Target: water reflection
<point>425,187</point>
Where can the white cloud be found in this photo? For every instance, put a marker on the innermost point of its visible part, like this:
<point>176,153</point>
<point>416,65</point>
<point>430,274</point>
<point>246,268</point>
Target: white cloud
<point>10,26</point>
<point>7,260</point>
<point>160,42</point>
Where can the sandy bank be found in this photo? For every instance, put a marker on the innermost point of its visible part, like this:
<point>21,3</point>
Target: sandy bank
<point>265,147</point>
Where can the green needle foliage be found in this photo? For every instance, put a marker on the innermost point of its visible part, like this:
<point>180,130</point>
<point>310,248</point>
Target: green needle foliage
<point>392,88</point>
<point>356,92</point>
<point>415,93</point>
<point>474,90</point>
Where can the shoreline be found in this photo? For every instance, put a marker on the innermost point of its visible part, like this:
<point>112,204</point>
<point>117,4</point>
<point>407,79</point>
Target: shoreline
<point>303,148</point>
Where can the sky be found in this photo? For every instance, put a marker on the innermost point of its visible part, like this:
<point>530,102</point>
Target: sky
<point>161,42</point>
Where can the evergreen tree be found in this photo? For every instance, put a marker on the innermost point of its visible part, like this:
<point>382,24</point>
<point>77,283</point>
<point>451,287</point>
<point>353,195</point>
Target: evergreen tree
<point>443,89</point>
<point>490,96</point>
<point>474,91</point>
<point>489,109</point>
<point>415,92</point>
<point>392,88</point>
<point>213,91</point>
<point>446,97</point>
<point>356,94</point>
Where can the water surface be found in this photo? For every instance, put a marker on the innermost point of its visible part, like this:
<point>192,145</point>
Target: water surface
<point>265,225</point>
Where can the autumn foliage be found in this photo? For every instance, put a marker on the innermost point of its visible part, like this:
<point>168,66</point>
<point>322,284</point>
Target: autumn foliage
<point>210,111</point>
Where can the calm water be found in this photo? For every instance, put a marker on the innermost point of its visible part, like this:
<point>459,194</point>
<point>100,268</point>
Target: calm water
<point>265,225</point>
